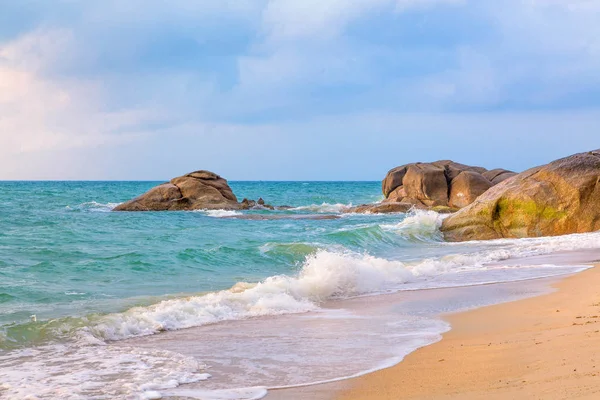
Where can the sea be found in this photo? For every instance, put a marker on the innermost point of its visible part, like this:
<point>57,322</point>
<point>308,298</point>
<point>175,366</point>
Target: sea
<point>219,304</point>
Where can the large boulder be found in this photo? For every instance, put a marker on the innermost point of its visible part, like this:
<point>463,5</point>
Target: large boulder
<point>393,180</point>
<point>442,183</point>
<point>200,190</point>
<point>426,183</point>
<point>498,175</point>
<point>466,187</point>
<point>559,198</point>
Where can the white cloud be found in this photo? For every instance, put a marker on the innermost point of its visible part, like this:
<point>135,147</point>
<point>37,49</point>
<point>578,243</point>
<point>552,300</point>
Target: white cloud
<point>326,19</point>
<point>58,98</point>
<point>41,113</point>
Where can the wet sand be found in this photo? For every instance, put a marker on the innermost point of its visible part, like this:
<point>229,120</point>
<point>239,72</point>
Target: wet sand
<point>545,347</point>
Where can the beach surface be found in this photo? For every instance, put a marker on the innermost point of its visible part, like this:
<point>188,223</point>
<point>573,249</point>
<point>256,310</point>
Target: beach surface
<point>545,347</point>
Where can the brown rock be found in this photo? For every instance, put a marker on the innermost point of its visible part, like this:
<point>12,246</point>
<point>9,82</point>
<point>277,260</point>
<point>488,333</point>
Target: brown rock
<point>393,179</point>
<point>559,198</point>
<point>466,187</point>
<point>498,175</point>
<point>427,183</point>
<point>160,198</point>
<point>396,195</point>
<point>453,169</point>
<point>195,191</point>
<point>381,208</point>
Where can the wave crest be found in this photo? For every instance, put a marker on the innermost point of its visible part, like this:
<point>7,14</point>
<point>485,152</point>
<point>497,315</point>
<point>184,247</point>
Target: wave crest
<point>419,225</point>
<point>93,206</point>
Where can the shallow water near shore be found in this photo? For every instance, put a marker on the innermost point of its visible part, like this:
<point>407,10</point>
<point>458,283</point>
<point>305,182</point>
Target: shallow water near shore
<point>223,305</point>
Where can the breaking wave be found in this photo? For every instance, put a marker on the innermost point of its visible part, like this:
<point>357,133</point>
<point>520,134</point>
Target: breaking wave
<point>327,275</point>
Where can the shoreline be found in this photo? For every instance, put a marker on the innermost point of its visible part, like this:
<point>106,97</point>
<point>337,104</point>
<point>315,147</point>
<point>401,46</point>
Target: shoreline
<point>516,349</point>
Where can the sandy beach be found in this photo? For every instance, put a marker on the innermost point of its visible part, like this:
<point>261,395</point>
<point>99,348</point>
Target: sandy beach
<point>547,347</point>
<point>544,347</point>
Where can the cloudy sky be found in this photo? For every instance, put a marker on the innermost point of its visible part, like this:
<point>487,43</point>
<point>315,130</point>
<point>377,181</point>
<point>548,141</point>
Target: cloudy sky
<point>293,89</point>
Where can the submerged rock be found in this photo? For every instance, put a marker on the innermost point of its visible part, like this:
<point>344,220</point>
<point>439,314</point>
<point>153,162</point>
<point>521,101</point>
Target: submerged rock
<point>199,190</point>
<point>559,198</point>
<point>256,205</point>
<point>381,208</point>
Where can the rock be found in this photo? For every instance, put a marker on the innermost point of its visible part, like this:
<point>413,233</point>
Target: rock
<point>559,198</point>
<point>256,205</point>
<point>393,179</point>
<point>453,169</point>
<point>498,175</point>
<point>466,187</point>
<point>381,208</point>
<point>444,209</point>
<point>195,191</point>
<point>431,184</point>
<point>427,183</point>
<point>160,198</point>
<point>247,204</point>
<point>396,195</point>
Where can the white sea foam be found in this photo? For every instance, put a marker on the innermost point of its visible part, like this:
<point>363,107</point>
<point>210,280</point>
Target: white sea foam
<point>76,372</point>
<point>221,213</point>
<point>324,208</point>
<point>93,206</point>
<point>420,225</point>
<point>254,393</point>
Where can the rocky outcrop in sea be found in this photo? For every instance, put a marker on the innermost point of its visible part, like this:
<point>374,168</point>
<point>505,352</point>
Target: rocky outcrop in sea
<point>559,198</point>
<point>199,190</point>
<point>443,186</point>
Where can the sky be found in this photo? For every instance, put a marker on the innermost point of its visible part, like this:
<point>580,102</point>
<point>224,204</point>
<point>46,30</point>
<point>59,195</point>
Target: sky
<point>292,89</point>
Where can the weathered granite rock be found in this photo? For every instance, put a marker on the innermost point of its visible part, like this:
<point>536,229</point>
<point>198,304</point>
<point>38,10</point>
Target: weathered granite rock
<point>498,175</point>
<point>393,179</point>
<point>453,169</point>
<point>397,195</point>
<point>426,183</point>
<point>432,184</point>
<point>466,187</point>
<point>559,198</point>
<point>195,191</point>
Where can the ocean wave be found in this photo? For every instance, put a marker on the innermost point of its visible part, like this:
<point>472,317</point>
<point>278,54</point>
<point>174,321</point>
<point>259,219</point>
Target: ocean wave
<point>289,252</point>
<point>324,208</point>
<point>93,206</point>
<point>419,225</point>
<point>325,275</point>
<point>221,213</point>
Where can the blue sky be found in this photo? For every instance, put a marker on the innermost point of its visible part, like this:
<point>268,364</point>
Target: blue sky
<point>293,89</point>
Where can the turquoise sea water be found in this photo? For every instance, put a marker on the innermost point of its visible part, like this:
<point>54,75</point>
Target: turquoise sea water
<point>63,253</point>
<point>77,281</point>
